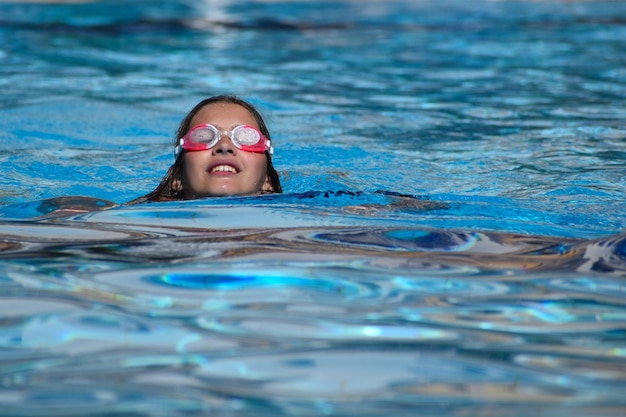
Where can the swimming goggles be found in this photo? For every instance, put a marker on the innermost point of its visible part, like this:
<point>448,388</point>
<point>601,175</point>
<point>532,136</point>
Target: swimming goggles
<point>206,136</point>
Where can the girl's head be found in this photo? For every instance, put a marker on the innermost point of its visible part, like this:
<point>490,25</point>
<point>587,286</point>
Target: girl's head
<point>224,169</point>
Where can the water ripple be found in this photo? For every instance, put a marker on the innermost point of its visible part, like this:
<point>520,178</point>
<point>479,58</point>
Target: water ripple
<point>486,280</point>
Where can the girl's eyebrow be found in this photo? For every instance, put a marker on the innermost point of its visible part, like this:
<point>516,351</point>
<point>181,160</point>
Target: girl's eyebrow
<point>221,129</point>
<point>230,128</point>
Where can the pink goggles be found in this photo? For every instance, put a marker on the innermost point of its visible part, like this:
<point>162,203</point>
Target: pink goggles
<point>206,136</point>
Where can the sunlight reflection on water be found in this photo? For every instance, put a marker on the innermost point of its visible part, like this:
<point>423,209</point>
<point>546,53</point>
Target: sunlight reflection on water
<point>451,241</point>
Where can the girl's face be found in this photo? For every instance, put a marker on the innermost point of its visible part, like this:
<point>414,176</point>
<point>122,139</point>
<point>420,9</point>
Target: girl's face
<point>224,169</point>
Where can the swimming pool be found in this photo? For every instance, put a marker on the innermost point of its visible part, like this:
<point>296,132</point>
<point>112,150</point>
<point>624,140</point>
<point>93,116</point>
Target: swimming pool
<point>500,292</point>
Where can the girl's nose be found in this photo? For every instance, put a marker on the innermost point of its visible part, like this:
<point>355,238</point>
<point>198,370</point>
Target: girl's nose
<point>224,146</point>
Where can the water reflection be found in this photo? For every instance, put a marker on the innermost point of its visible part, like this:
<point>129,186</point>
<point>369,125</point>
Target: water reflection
<point>347,319</point>
<point>498,299</point>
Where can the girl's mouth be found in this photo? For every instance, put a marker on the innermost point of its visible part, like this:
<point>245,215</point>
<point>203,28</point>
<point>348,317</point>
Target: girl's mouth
<point>223,169</point>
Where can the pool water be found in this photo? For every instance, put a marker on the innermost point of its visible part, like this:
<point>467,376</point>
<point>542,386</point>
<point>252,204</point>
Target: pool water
<point>451,240</point>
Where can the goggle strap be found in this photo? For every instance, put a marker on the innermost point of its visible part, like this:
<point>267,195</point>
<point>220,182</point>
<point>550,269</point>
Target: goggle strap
<point>179,148</point>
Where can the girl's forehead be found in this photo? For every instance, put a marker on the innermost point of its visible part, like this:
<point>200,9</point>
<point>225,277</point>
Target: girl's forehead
<point>224,115</point>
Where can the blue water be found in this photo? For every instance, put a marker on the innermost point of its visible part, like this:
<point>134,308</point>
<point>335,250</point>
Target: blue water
<point>498,290</point>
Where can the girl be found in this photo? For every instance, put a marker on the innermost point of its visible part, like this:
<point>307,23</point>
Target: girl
<point>223,148</point>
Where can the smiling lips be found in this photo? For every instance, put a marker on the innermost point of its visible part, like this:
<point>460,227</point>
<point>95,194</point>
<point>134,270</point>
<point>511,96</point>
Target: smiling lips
<point>223,169</point>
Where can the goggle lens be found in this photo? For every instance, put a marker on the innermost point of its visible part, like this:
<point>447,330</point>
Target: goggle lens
<point>246,135</point>
<point>202,136</point>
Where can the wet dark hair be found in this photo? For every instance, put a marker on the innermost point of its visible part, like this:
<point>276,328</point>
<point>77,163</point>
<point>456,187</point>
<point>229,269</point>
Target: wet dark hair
<point>171,186</point>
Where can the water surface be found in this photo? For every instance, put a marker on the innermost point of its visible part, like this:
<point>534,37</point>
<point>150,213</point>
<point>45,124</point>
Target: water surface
<point>451,240</point>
